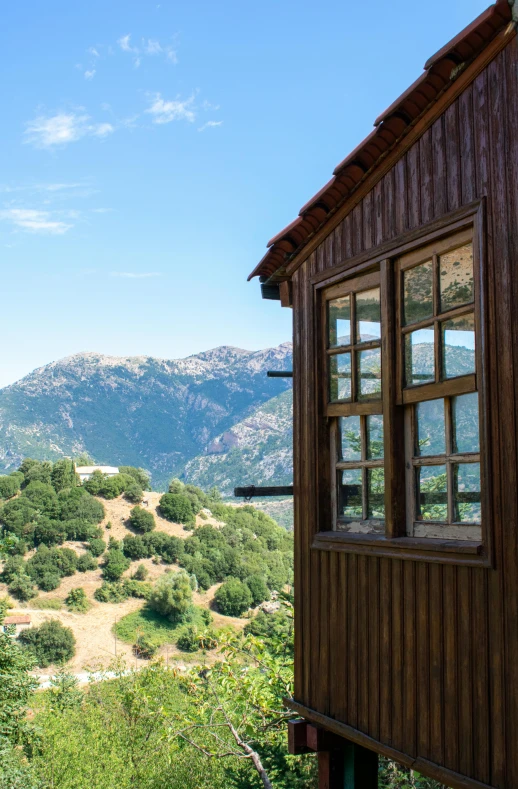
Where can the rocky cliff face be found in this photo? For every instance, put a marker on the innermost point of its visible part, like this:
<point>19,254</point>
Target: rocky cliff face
<point>155,413</point>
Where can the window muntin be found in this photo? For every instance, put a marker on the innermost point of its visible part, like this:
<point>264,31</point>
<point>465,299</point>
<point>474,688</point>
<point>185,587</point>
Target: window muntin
<point>430,313</point>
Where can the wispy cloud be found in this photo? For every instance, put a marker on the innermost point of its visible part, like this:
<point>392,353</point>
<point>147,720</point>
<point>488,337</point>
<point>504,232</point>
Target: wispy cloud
<point>90,74</point>
<point>210,125</point>
<point>135,274</point>
<point>174,110</point>
<point>63,128</point>
<point>147,46</point>
<point>34,221</point>
<point>93,51</point>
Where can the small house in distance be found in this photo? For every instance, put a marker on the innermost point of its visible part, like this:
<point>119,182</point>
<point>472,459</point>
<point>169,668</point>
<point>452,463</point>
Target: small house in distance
<point>15,623</point>
<point>402,273</point>
<point>85,472</point>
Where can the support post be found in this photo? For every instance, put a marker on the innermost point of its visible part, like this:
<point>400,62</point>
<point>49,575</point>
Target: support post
<point>351,767</point>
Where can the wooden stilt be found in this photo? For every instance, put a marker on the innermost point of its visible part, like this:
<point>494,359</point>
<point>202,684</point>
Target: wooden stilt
<point>351,767</point>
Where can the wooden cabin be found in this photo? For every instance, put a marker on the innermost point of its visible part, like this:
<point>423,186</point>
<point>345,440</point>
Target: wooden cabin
<point>402,273</point>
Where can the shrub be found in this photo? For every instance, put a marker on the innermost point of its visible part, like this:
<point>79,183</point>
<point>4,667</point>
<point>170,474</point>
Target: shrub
<point>114,544</point>
<point>49,532</point>
<point>38,472</point>
<point>233,597</point>
<point>111,593</point>
<point>96,546</point>
<point>65,560</point>
<point>172,596</point>
<point>48,603</point>
<point>86,562</point>
<point>63,475</point>
<point>140,476</point>
<point>13,567</point>
<point>78,503</point>
<point>114,486</point>
<point>77,601</point>
<point>49,581</point>
<point>137,589</point>
<point>22,588</point>
<point>176,507</point>
<point>206,616</point>
<point>95,483</point>
<point>53,561</point>
<point>140,573</point>
<point>142,520</point>
<point>134,493</point>
<point>115,564</point>
<point>42,496</point>
<point>80,529</point>
<point>135,548</point>
<point>258,589</point>
<point>19,517</point>
<point>145,648</point>
<point>188,640</point>
<point>109,525</point>
<point>9,487</point>
<point>51,642</point>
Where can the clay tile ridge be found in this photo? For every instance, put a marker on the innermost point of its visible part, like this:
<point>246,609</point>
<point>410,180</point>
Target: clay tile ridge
<point>389,127</point>
<point>17,619</point>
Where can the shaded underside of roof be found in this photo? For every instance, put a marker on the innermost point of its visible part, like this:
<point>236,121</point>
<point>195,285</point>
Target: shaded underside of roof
<point>440,72</point>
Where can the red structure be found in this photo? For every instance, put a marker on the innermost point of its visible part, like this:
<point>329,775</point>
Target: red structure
<point>401,273</point>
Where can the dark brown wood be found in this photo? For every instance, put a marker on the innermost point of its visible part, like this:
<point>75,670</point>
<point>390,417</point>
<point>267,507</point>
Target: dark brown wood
<point>251,491</point>
<point>407,645</point>
<point>297,737</point>
<point>286,294</point>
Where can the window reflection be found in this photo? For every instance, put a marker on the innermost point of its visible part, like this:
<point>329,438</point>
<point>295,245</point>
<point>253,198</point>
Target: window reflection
<point>369,374</point>
<point>456,277</point>
<point>432,496</point>
<point>375,437</point>
<point>375,493</point>
<point>340,376</point>
<point>339,322</point>
<point>368,315</point>
<point>431,428</point>
<point>419,357</point>
<point>465,423</point>
<point>351,493</point>
<point>351,443</point>
<point>466,492</point>
<point>418,293</point>
<point>459,346</point>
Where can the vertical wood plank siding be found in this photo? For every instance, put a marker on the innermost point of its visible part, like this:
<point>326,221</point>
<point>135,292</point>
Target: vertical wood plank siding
<point>411,653</point>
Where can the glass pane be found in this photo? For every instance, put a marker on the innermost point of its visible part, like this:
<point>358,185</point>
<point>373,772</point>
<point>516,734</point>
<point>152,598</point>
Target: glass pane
<point>466,492</point>
<point>419,357</point>
<point>456,277</point>
<point>458,344</point>
<point>375,493</point>
<point>339,322</point>
<point>368,316</point>
<point>465,423</point>
<point>340,376</point>
<point>431,431</point>
<point>369,374</point>
<point>432,497</point>
<point>351,493</point>
<point>351,438</point>
<point>375,437</point>
<point>418,292</point>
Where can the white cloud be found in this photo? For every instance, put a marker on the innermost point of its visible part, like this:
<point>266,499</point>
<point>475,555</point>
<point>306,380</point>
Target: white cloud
<point>63,128</point>
<point>167,111</point>
<point>124,43</point>
<point>101,210</point>
<point>152,47</point>
<point>135,274</point>
<point>94,52</point>
<point>34,221</point>
<point>137,62</point>
<point>210,125</point>
<point>90,74</point>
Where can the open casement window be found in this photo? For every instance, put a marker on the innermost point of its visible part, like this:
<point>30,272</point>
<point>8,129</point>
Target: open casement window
<point>403,382</point>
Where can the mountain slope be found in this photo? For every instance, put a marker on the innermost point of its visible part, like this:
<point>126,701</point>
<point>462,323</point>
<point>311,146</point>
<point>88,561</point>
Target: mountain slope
<point>141,411</point>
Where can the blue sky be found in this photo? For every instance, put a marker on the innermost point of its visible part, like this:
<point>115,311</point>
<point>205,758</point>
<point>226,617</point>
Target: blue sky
<point>149,151</point>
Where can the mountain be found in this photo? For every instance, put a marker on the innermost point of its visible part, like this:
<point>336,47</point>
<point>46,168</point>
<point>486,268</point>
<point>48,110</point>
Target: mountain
<point>155,413</point>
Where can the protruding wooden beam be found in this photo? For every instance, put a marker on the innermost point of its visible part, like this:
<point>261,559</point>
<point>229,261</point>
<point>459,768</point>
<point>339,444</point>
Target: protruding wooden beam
<point>297,737</point>
<point>286,293</point>
<point>319,739</point>
<point>279,374</point>
<point>251,491</point>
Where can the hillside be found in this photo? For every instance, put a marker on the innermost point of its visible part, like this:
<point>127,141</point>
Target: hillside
<point>155,413</point>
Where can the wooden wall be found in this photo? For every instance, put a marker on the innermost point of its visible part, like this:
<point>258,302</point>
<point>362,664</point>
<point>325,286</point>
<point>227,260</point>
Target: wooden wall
<point>424,657</point>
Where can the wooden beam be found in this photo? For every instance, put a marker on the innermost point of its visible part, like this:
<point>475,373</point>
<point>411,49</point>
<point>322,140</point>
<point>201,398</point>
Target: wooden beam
<point>297,730</point>
<point>286,293</point>
<point>251,491</point>
<point>279,374</point>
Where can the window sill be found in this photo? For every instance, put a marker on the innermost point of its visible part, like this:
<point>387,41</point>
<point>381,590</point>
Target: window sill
<point>417,549</point>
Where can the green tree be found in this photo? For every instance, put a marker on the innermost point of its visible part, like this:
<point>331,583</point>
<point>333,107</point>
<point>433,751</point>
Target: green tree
<point>258,589</point>
<point>77,601</point>
<point>176,507</point>
<point>78,503</point>
<point>13,567</point>
<point>64,691</point>
<point>142,520</point>
<point>94,484</point>
<point>86,562</point>
<point>233,597</point>
<point>140,573</point>
<point>134,493</point>
<point>22,588</point>
<point>96,546</point>
<point>63,475</point>
<point>115,564</point>
<point>172,596</point>
<point>51,642</point>
<point>9,487</point>
<point>16,687</point>
<point>188,640</point>
<point>140,476</point>
<point>38,472</point>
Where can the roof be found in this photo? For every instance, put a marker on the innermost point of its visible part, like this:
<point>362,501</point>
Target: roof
<point>17,619</point>
<point>91,469</point>
<point>390,127</point>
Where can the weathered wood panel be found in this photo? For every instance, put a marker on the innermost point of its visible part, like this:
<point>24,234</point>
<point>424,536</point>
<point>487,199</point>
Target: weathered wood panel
<point>422,657</point>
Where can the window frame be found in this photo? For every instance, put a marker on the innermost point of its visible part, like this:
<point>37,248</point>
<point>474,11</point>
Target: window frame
<point>468,221</point>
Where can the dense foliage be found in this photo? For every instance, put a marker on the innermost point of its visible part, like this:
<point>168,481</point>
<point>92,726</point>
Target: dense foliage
<point>233,597</point>
<point>172,596</point>
<point>142,520</point>
<point>51,642</point>
<point>177,508</point>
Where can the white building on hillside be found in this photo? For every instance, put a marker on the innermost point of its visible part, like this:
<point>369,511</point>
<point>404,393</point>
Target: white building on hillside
<point>85,472</point>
